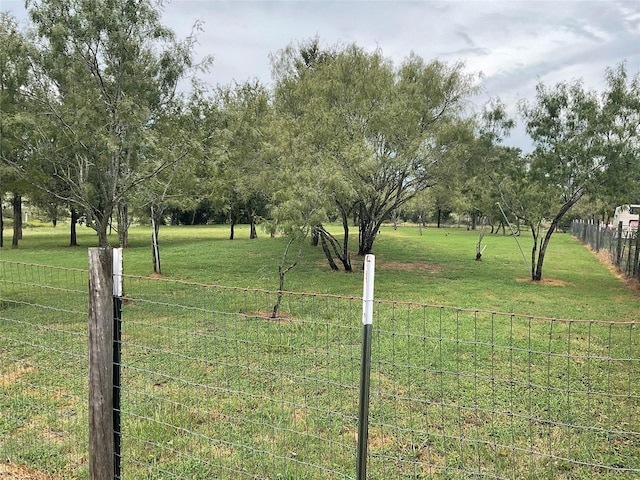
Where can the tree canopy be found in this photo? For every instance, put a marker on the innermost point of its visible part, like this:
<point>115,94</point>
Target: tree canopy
<point>105,74</point>
<point>381,133</point>
<point>93,119</point>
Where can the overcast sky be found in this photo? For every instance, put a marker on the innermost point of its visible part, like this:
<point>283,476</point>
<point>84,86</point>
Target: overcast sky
<point>515,44</point>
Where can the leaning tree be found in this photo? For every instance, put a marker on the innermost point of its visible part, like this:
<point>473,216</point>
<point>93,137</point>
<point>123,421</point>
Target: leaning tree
<point>584,142</point>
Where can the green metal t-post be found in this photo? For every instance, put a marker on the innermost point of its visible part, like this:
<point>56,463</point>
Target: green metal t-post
<point>117,359</point>
<point>365,372</point>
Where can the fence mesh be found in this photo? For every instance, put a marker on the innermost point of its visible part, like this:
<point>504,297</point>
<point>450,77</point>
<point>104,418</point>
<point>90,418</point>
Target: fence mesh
<point>43,372</point>
<point>622,245</point>
<point>214,387</point>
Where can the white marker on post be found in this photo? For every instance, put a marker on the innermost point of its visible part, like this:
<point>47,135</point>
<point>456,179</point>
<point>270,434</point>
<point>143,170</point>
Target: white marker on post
<point>367,295</point>
<point>117,272</point>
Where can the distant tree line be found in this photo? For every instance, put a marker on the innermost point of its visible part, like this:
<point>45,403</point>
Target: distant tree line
<point>98,127</point>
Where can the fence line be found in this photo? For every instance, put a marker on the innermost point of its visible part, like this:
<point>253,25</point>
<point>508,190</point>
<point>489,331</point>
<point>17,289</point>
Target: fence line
<point>212,387</point>
<point>623,246</point>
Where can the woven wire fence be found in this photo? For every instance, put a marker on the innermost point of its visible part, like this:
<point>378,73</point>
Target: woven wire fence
<point>214,387</point>
<point>43,372</point>
<point>622,246</point>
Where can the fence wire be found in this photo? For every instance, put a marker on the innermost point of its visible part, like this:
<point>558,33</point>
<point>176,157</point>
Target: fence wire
<point>622,246</point>
<point>43,372</point>
<point>214,387</point>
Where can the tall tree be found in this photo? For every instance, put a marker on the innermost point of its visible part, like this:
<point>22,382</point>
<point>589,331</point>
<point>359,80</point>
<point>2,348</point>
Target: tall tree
<point>581,139</point>
<point>376,129</point>
<point>16,119</point>
<point>110,69</point>
<point>246,115</point>
<point>621,111</point>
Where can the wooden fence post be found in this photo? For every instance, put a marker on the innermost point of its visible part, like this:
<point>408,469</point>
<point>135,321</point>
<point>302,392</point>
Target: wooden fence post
<point>101,440</point>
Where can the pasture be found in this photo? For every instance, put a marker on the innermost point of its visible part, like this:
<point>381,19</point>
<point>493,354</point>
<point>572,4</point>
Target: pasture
<point>213,388</point>
<point>437,268</point>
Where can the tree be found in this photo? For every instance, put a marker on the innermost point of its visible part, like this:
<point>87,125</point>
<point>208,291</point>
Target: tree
<point>581,141</point>
<point>109,70</point>
<point>246,114</point>
<point>621,111</point>
<point>378,131</point>
<point>16,119</point>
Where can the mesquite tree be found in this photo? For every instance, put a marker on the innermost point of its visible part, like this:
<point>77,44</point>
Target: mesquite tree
<point>110,70</point>
<point>583,140</point>
<point>375,129</point>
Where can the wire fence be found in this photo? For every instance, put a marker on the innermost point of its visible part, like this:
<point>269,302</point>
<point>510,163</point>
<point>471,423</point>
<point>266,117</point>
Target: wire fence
<point>622,245</point>
<point>214,387</point>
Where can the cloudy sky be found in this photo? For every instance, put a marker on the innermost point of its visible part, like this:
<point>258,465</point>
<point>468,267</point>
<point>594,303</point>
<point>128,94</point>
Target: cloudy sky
<point>515,44</point>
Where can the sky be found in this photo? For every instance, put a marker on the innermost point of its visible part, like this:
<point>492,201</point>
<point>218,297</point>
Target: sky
<point>514,44</point>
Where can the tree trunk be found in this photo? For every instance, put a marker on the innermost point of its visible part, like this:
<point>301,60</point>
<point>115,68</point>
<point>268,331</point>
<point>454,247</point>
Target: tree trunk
<point>103,238</point>
<point>73,241</point>
<point>439,216</point>
<point>155,248</point>
<point>479,248</point>
<point>17,220</point>
<point>368,233</point>
<point>232,226</point>
<point>537,276</point>
<point>123,225</point>
<point>345,258</point>
<point>252,226</point>
<point>329,242</point>
<point>101,222</point>
<point>283,271</point>
<point>315,236</point>
<point>327,254</point>
<point>534,250</point>
<point>1,225</point>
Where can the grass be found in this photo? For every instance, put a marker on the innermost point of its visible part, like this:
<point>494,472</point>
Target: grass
<point>214,389</point>
<point>436,268</point>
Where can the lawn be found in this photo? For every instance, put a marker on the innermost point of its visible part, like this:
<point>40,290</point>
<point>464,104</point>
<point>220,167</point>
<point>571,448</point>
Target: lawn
<point>437,268</point>
<point>213,388</point>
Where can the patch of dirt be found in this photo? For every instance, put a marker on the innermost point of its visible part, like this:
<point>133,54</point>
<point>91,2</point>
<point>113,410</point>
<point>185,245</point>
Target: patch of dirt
<point>18,472</point>
<point>8,379</point>
<point>282,318</point>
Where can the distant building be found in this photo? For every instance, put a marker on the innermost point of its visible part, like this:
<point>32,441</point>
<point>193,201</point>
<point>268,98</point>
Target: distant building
<point>629,215</point>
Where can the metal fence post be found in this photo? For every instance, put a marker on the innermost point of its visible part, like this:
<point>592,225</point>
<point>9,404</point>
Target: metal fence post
<point>636,254</point>
<point>365,372</point>
<point>101,439</point>
<point>117,348</point>
<point>619,247</point>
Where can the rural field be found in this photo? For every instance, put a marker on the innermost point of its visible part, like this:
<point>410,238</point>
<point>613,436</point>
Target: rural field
<point>476,371</point>
<point>437,268</point>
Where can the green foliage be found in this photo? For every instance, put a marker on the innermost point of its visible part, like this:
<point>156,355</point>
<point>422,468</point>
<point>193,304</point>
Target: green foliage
<point>379,132</point>
<point>582,140</point>
<point>16,121</point>
<point>108,72</point>
<point>214,387</point>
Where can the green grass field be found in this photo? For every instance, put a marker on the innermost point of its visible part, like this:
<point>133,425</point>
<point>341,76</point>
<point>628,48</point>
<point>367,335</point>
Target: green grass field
<point>212,388</point>
<point>436,268</point>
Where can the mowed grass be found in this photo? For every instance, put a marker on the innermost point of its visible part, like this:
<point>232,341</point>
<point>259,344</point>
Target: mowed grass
<point>436,268</point>
<point>214,389</point>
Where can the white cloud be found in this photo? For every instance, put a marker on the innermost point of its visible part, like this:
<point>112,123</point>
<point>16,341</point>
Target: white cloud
<point>515,44</point>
